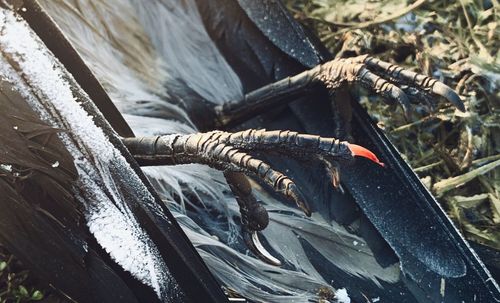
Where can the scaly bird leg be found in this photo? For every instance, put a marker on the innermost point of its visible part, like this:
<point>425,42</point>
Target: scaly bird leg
<point>229,152</point>
<point>390,81</point>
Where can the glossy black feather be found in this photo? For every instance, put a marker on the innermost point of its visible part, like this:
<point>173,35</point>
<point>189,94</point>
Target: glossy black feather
<point>274,21</point>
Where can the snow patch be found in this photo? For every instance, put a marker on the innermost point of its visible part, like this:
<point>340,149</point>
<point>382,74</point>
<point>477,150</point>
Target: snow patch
<point>342,296</point>
<point>6,167</point>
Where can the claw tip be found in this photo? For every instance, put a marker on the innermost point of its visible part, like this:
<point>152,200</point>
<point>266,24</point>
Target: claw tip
<point>254,244</point>
<point>461,107</point>
<point>361,151</point>
<point>449,94</point>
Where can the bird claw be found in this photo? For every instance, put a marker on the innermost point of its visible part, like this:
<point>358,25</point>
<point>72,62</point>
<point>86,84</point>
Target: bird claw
<point>254,216</point>
<point>253,243</point>
<point>230,152</point>
<point>391,81</point>
<point>425,87</point>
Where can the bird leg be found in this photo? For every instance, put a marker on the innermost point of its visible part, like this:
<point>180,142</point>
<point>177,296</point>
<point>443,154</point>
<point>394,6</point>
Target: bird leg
<point>229,152</point>
<point>390,81</point>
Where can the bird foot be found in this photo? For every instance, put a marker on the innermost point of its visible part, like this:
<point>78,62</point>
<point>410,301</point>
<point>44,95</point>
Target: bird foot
<point>230,152</point>
<point>391,81</point>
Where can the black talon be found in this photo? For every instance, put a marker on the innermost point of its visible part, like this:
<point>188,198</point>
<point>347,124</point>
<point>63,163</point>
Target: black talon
<point>445,91</point>
<point>385,89</point>
<point>253,243</point>
<point>299,199</point>
<point>254,216</point>
<point>403,100</point>
<point>400,75</point>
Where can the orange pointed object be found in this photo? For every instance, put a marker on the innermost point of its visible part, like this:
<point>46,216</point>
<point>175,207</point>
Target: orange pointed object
<point>360,151</point>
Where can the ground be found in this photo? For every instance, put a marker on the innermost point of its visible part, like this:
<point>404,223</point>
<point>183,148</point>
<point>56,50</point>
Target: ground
<point>457,155</point>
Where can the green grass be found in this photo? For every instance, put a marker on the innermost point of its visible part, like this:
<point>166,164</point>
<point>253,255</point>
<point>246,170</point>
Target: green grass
<point>16,285</point>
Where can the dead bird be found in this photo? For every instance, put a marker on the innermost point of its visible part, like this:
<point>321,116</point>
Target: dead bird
<point>248,57</point>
